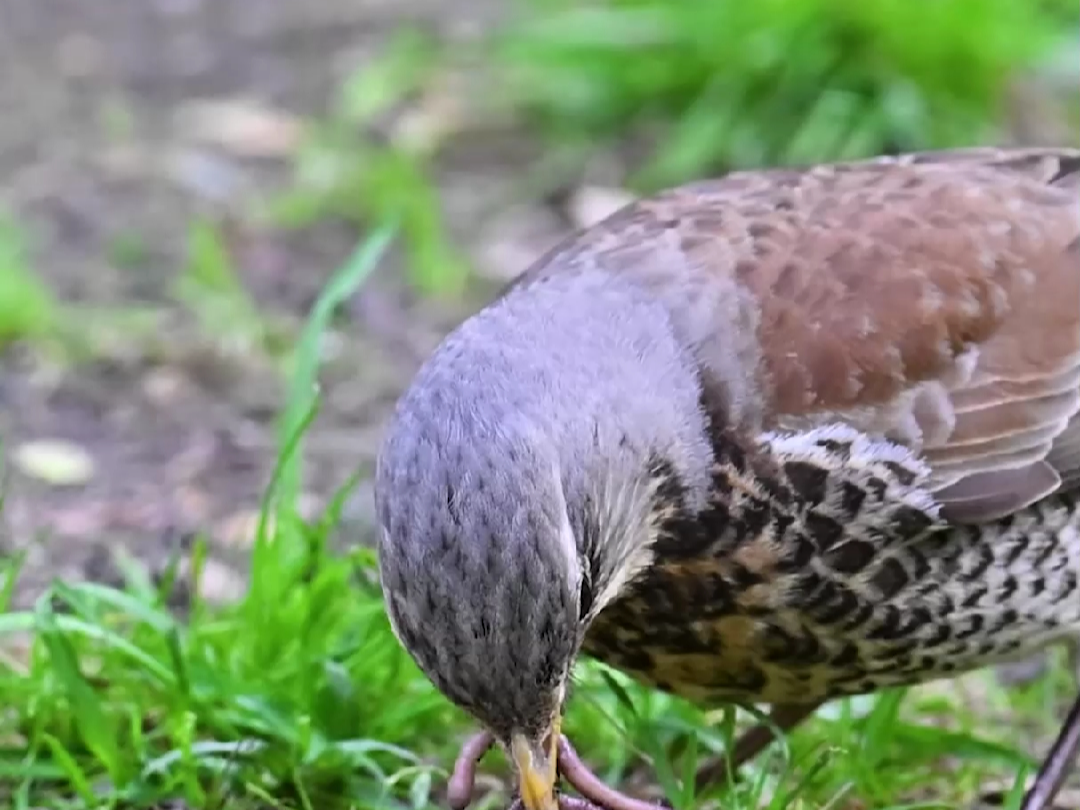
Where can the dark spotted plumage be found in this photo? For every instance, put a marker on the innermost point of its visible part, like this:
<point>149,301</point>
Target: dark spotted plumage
<point>826,574</point>
<point>780,436</point>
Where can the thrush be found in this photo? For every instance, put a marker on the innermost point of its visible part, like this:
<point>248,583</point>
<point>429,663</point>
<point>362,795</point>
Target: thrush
<point>779,437</point>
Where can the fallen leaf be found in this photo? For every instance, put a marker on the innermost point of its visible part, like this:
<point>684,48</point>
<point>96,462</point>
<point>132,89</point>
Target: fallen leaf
<point>590,204</point>
<point>55,461</point>
<point>220,584</point>
<point>513,239</point>
<point>243,127</point>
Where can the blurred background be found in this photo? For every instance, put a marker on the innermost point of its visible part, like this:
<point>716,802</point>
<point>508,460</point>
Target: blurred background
<point>180,179</point>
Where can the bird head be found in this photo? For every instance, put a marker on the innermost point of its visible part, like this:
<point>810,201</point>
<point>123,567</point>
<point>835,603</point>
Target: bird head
<point>511,494</point>
<point>482,585</point>
<point>479,563</point>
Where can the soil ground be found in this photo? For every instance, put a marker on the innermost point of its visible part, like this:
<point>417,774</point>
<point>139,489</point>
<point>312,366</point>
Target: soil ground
<point>104,163</point>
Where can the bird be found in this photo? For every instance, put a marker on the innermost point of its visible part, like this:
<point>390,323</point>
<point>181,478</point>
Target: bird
<point>781,436</point>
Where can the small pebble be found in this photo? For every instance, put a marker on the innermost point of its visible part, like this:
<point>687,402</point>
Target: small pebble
<point>56,462</point>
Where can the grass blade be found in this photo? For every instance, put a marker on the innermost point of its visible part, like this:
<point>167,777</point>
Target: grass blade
<point>344,283</point>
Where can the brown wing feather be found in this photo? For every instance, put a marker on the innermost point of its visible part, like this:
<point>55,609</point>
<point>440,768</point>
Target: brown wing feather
<point>931,298</point>
<point>976,324</point>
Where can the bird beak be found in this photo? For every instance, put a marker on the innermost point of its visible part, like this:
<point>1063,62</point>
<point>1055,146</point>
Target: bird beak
<point>537,769</point>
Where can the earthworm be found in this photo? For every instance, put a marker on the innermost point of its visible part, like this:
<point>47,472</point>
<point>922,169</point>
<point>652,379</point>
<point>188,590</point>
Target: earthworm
<point>589,785</point>
<point>459,790</point>
<point>596,795</point>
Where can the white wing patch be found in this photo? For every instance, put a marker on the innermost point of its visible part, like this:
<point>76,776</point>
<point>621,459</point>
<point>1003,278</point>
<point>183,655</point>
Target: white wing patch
<point>858,457</point>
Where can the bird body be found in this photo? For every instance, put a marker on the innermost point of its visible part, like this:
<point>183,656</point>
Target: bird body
<point>824,572</point>
<point>781,436</point>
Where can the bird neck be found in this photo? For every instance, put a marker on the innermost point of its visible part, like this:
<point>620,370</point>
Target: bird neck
<point>585,369</point>
<point>611,513</point>
<point>662,513</point>
<point>596,369</point>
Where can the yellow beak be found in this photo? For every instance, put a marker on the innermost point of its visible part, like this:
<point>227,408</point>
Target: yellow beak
<point>537,769</point>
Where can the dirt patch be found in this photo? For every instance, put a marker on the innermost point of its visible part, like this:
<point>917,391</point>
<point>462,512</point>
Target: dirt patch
<point>104,169</point>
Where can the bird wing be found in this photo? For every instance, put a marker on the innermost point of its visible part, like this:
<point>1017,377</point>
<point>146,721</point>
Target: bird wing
<point>932,299</point>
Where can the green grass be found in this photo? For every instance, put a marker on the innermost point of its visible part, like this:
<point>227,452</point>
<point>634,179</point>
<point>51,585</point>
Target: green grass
<point>346,171</point>
<point>209,288</point>
<point>715,86</point>
<point>299,696</point>
<point>693,89</point>
<point>27,307</point>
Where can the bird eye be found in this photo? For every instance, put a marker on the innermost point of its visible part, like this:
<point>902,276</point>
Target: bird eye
<point>585,597</point>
